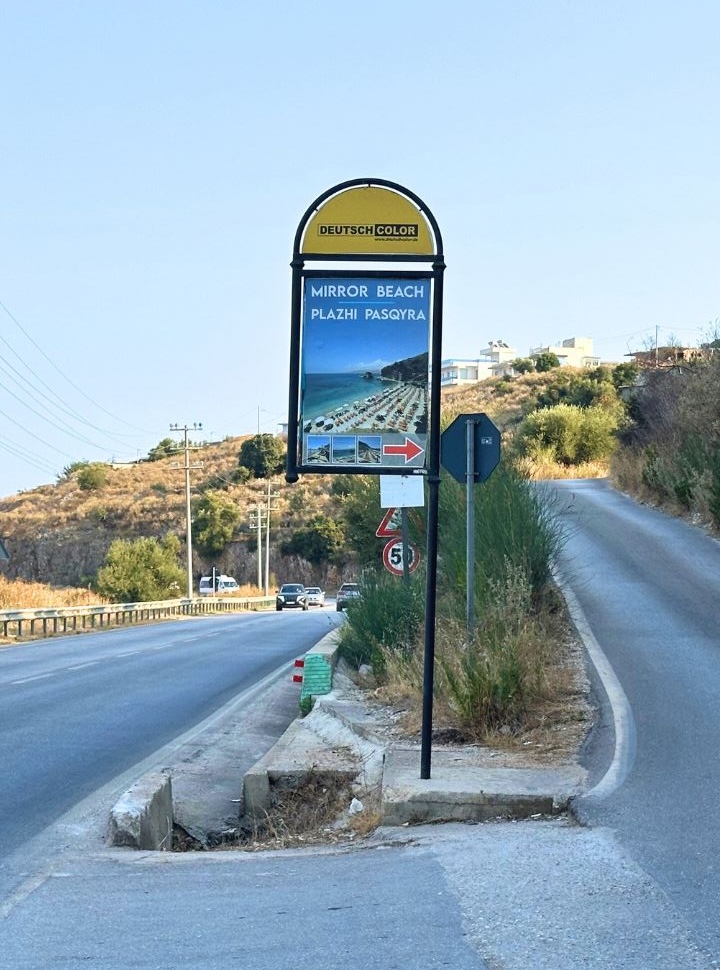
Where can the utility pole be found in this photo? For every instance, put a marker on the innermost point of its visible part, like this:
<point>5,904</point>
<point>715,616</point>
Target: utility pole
<point>257,523</point>
<point>270,508</point>
<point>187,466</point>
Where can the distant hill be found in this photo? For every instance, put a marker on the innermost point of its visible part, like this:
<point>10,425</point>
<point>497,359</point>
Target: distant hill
<point>60,533</point>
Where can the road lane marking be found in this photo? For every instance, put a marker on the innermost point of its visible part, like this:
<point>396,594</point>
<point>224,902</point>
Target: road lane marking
<point>623,720</point>
<point>28,680</point>
<point>21,893</point>
<point>89,663</point>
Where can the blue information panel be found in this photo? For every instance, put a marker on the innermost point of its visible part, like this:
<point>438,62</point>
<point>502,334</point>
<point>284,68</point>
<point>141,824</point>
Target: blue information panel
<point>364,372</point>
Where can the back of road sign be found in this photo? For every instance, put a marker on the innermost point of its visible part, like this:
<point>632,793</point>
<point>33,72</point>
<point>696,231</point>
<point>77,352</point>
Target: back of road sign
<point>486,447</point>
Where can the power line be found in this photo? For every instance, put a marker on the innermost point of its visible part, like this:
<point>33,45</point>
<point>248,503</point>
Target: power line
<point>44,417</point>
<point>18,451</point>
<point>64,376</point>
<point>34,393</point>
<point>37,437</point>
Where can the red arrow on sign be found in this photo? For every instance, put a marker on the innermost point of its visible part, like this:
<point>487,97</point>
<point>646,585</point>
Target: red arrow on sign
<point>410,449</point>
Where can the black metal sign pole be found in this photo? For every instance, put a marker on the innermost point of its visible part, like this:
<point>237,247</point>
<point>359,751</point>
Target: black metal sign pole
<point>433,480</point>
<point>291,474</point>
<point>405,535</point>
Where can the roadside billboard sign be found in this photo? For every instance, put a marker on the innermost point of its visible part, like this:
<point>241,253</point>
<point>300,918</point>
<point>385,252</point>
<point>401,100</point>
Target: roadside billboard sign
<point>365,359</point>
<point>364,371</point>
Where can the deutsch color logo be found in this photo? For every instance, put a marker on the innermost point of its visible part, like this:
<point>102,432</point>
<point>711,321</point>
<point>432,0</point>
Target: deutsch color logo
<point>368,219</point>
<point>393,230</point>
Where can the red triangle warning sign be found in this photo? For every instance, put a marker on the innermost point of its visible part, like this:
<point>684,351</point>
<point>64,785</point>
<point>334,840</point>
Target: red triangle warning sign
<point>390,525</point>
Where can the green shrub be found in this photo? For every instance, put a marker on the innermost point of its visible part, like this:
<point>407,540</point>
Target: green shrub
<point>387,618</point>
<point>545,362</point>
<point>306,704</point>
<point>141,571</point>
<point>321,541</point>
<point>573,434</point>
<point>263,455</point>
<point>92,476</point>
<point>215,517</point>
<point>489,678</point>
<point>514,528</point>
<point>163,449</point>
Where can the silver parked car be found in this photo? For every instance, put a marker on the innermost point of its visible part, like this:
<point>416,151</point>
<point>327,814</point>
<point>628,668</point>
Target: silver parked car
<point>315,596</point>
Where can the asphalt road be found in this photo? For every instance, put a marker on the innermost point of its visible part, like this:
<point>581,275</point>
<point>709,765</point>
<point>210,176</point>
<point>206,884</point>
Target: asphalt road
<point>649,586</point>
<point>75,712</point>
<point>634,889</point>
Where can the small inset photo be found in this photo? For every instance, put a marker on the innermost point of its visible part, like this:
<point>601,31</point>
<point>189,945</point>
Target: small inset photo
<point>344,449</point>
<point>318,449</point>
<point>369,449</point>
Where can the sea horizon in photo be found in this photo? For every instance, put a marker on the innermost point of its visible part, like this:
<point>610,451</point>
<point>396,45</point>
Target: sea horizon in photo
<point>326,392</point>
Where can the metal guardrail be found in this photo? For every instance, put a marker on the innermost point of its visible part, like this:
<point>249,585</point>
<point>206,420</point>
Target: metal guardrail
<point>16,624</point>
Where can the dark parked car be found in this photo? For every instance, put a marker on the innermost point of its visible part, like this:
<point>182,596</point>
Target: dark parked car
<point>346,594</point>
<point>291,596</point>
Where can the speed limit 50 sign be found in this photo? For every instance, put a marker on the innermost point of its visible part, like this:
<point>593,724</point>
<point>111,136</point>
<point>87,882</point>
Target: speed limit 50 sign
<point>393,556</point>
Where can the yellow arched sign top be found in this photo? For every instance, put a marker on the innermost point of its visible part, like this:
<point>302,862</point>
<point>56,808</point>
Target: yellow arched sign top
<point>368,219</point>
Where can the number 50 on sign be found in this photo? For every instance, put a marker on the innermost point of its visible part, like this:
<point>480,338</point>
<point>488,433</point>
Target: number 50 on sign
<point>393,555</point>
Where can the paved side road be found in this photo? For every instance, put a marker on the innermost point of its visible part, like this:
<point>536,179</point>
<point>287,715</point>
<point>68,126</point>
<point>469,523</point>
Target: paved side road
<point>496,896</point>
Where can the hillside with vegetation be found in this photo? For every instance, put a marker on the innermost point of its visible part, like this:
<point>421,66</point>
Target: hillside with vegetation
<point>60,534</point>
<point>668,453</point>
<point>561,422</point>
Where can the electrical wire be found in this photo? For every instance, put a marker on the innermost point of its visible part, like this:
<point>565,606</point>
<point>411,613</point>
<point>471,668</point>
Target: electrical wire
<point>64,376</point>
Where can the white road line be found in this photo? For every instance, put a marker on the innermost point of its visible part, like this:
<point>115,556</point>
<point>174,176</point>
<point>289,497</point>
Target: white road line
<point>28,680</point>
<point>624,722</point>
<point>128,653</point>
<point>89,663</point>
<point>22,892</point>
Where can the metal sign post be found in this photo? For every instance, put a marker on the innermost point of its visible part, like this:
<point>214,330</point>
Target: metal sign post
<point>470,452</point>
<point>470,524</point>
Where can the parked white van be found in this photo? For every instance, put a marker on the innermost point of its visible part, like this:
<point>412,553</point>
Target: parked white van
<point>223,584</point>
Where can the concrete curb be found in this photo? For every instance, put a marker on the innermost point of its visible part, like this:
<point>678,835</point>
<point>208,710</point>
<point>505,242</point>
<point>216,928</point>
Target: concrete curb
<point>459,790</point>
<point>143,817</point>
<point>321,744</point>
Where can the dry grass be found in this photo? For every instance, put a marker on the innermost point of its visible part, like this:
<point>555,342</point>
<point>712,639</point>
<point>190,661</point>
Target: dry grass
<point>21,595</point>
<point>541,470</point>
<point>61,533</point>
<point>553,722</point>
<point>306,814</point>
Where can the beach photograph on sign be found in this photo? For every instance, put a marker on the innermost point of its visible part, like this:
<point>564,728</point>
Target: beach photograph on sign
<point>364,371</point>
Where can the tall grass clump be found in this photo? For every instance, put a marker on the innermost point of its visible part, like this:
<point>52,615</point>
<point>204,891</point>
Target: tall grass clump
<point>386,620</point>
<point>515,529</point>
<point>491,676</point>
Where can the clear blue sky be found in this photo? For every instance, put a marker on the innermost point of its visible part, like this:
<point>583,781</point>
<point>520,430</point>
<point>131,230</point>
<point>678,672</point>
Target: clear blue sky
<point>156,158</point>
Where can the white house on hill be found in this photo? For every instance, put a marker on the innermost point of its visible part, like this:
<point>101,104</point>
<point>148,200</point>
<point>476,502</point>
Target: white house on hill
<point>574,352</point>
<point>491,362</point>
